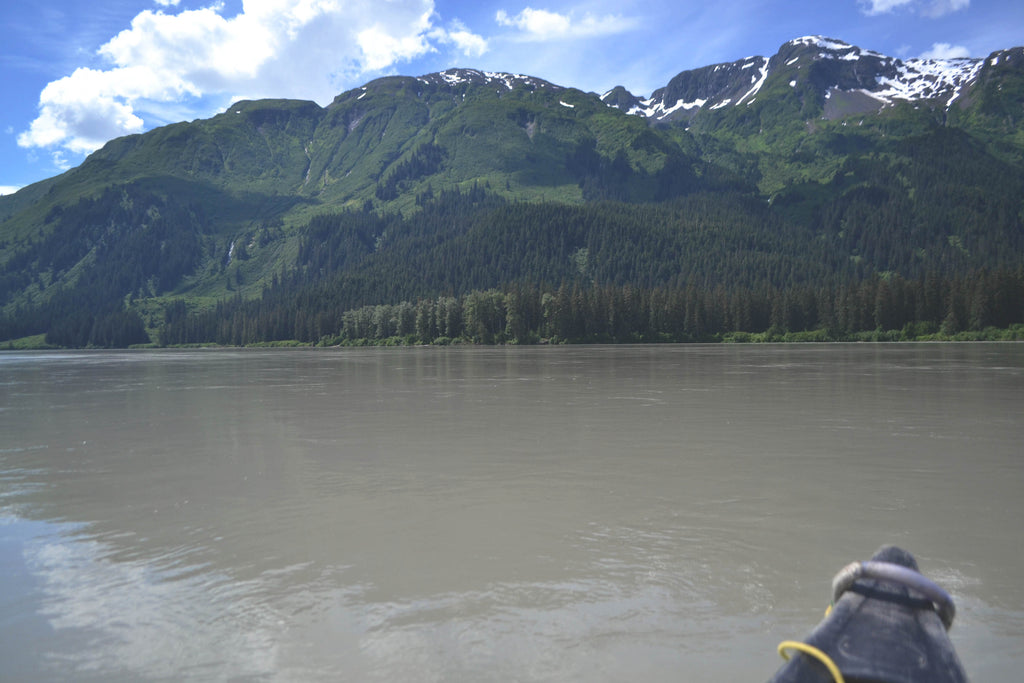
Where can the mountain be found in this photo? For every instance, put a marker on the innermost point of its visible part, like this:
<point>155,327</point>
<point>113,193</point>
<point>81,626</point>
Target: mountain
<point>459,125</point>
<point>824,162</point>
<point>826,87</point>
<point>829,77</point>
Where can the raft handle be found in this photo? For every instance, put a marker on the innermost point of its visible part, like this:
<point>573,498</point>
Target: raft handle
<point>887,571</point>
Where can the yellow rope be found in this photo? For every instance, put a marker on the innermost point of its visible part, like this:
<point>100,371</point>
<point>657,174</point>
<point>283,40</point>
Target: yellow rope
<point>813,652</point>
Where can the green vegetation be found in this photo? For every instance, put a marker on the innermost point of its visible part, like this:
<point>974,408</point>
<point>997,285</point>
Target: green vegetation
<point>34,342</point>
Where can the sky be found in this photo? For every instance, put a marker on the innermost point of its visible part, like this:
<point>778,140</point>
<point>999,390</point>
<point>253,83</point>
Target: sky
<point>77,74</point>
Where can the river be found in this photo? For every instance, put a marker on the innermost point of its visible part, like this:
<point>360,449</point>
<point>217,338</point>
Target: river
<point>649,513</point>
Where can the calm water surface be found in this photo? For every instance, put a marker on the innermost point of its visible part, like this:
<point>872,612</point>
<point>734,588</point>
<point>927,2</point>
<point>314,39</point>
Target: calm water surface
<point>494,514</point>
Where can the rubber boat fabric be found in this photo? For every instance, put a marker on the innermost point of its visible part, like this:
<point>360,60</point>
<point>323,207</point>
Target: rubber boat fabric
<point>887,624</point>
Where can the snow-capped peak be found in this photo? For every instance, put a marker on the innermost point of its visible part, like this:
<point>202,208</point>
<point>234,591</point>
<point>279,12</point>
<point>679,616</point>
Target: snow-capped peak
<point>822,42</point>
<point>849,69</point>
<point>508,81</point>
<point>830,48</point>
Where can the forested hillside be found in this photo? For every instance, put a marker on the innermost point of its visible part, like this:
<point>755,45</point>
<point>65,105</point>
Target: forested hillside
<point>478,268</point>
<point>699,269</point>
<point>497,208</point>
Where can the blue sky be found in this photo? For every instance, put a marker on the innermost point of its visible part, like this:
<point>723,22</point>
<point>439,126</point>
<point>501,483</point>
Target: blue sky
<point>76,74</point>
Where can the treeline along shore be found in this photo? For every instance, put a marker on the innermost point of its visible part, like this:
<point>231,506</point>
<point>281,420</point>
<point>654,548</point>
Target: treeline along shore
<point>979,306</point>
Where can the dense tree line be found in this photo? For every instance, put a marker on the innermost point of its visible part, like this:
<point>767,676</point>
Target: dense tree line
<point>113,330</point>
<point>579,313</point>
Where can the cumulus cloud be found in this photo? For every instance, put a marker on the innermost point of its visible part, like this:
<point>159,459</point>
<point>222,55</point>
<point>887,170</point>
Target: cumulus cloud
<point>308,49</point>
<point>81,112</point>
<point>946,51</point>
<point>541,25</point>
<point>8,189</point>
<point>467,42</point>
<point>927,8</point>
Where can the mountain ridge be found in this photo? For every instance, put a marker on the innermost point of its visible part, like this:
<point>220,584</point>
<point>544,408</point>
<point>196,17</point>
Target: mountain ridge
<point>832,79</point>
<point>886,79</point>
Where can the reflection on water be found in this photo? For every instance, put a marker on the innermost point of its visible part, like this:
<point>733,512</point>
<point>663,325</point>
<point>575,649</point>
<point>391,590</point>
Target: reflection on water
<point>535,514</point>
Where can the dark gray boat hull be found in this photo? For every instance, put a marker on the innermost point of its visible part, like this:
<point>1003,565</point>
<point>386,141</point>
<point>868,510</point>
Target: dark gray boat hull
<point>882,632</point>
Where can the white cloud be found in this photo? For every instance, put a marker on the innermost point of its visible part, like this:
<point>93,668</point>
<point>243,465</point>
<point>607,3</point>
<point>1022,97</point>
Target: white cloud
<point>60,160</point>
<point>308,49</point>
<point>946,51</point>
<point>883,6</point>
<point>80,112</point>
<point>8,189</point>
<point>464,40</point>
<point>940,8</point>
<point>927,8</point>
<point>381,49</point>
<point>539,24</point>
<point>542,24</point>
<point>468,43</point>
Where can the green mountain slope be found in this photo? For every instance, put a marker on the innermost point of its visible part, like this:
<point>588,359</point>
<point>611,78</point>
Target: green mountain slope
<point>463,180</point>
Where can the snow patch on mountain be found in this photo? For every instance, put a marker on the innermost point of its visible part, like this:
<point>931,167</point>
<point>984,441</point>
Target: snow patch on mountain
<point>914,79</point>
<point>508,81</point>
<point>929,78</point>
<point>757,81</point>
<point>656,109</point>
